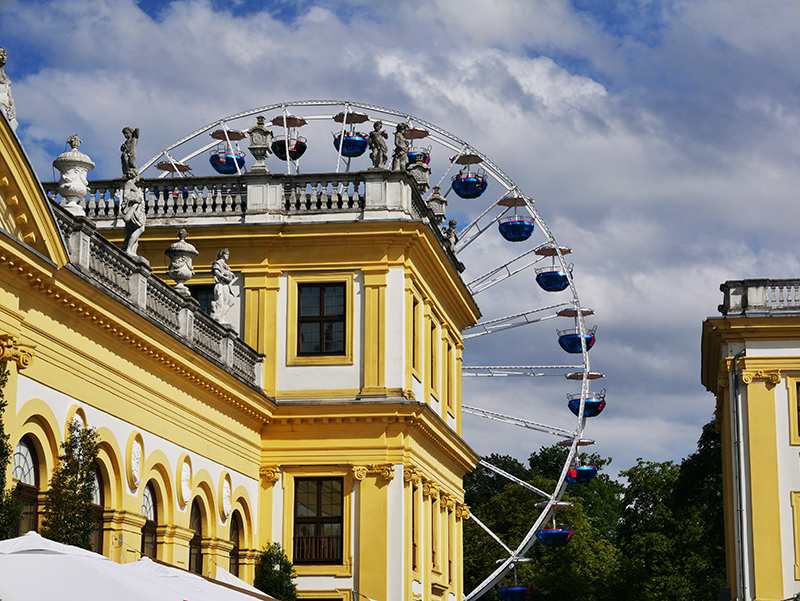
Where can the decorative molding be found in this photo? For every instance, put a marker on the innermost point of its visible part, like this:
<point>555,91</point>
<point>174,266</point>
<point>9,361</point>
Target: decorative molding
<point>11,349</point>
<point>411,474</point>
<point>771,377</point>
<point>462,511</point>
<point>446,500</point>
<point>429,488</point>
<point>384,471</point>
<point>270,473</point>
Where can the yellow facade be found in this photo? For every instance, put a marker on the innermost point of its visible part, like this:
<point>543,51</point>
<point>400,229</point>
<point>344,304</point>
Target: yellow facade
<point>751,361</point>
<point>382,419</point>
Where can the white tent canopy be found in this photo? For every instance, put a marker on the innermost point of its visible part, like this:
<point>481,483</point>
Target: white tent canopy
<point>33,568</point>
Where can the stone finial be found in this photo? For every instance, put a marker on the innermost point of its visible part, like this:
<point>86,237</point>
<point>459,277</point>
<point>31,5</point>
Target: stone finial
<point>180,256</point>
<point>401,145</point>
<point>6,101</point>
<point>224,296</point>
<point>128,150</point>
<point>260,144</point>
<point>421,172</point>
<point>437,203</point>
<point>73,185</point>
<point>134,215</point>
<point>378,148</point>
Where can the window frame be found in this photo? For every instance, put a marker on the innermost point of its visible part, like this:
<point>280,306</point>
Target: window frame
<point>318,520</point>
<point>294,281</point>
<point>27,494</point>
<point>150,526</point>
<point>415,334</point>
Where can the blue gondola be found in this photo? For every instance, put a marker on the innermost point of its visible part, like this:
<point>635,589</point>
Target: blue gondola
<point>552,279</point>
<point>570,340</point>
<point>515,593</point>
<point>594,405</point>
<point>414,153</point>
<point>581,474</point>
<point>517,228</point>
<point>554,537</point>
<point>469,185</point>
<point>354,145</point>
<point>226,163</point>
<point>297,148</point>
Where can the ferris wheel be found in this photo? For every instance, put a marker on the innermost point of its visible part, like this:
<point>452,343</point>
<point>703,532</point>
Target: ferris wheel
<point>464,173</point>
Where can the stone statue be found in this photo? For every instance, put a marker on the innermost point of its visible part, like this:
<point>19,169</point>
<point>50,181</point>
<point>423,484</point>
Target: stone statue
<point>134,216</point>
<point>450,234</point>
<point>180,255</point>
<point>6,101</point>
<point>260,144</point>
<point>73,185</point>
<point>400,156</point>
<point>378,148</point>
<point>128,149</point>
<point>223,293</point>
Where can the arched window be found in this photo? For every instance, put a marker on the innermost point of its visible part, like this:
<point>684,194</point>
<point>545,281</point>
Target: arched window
<point>195,550</point>
<point>236,539</point>
<point>150,512</point>
<point>98,505</point>
<point>26,470</point>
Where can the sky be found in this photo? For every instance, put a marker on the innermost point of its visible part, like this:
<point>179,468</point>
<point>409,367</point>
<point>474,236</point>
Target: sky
<point>660,140</point>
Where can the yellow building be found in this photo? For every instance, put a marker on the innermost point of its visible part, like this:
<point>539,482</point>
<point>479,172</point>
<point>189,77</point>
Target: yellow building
<point>751,361</point>
<point>218,439</point>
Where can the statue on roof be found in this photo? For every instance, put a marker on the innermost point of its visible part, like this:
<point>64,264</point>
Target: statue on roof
<point>133,214</point>
<point>128,149</point>
<point>224,297</point>
<point>378,148</point>
<point>450,234</point>
<point>6,101</point>
<point>401,145</point>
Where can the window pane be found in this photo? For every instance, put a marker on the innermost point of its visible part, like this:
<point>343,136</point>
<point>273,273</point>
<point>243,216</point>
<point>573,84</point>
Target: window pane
<point>334,300</point>
<point>24,465</point>
<point>306,498</point>
<point>309,338</point>
<point>309,300</point>
<point>331,498</point>
<point>334,337</point>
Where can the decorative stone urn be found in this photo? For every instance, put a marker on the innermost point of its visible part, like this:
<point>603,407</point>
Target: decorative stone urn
<point>73,185</point>
<point>180,255</point>
<point>260,144</point>
<point>436,203</point>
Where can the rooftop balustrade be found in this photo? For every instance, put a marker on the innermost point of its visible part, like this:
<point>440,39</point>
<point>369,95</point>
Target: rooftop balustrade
<point>762,297</point>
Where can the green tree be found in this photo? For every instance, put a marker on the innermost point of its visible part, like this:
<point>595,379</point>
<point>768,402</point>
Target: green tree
<point>67,513</point>
<point>275,574</point>
<point>9,506</point>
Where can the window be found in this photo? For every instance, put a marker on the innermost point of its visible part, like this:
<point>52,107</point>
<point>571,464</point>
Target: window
<point>321,319</point>
<point>433,368</point>
<point>204,295</point>
<point>415,314</point>
<point>26,470</point>
<point>97,513</point>
<point>413,527</point>
<point>150,512</point>
<point>195,549</point>
<point>235,536</point>
<point>320,314</point>
<point>318,521</point>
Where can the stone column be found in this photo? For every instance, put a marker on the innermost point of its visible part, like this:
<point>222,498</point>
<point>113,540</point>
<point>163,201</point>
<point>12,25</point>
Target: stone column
<point>127,527</point>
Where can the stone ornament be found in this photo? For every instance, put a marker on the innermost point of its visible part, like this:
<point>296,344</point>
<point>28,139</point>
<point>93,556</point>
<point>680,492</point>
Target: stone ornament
<point>401,146</point>
<point>128,150</point>
<point>73,185</point>
<point>450,234</point>
<point>180,256</point>
<point>384,471</point>
<point>260,144</point>
<point>6,101</point>
<point>771,377</point>
<point>411,474</point>
<point>136,463</point>
<point>462,511</point>
<point>12,350</point>
<point>378,148</point>
<point>185,489</point>
<point>437,203</point>
<point>224,296</point>
<point>429,489</point>
<point>134,216</point>
<point>226,498</point>
<point>270,473</point>
<point>421,172</point>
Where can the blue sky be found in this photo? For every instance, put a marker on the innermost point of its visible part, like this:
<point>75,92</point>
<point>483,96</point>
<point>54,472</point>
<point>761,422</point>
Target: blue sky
<point>661,141</point>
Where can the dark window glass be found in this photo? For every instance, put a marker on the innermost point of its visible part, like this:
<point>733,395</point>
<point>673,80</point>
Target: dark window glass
<point>195,550</point>
<point>321,319</point>
<point>98,504</point>
<point>150,512</point>
<point>235,538</point>
<point>203,295</point>
<point>26,469</point>
<point>318,520</point>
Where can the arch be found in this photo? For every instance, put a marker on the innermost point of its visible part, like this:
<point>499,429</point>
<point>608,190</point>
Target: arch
<point>156,469</point>
<point>195,545</point>
<point>241,503</point>
<point>39,422</point>
<point>75,410</point>
<point>25,469</point>
<point>109,463</point>
<point>236,537</point>
<point>203,489</point>
<point>149,510</point>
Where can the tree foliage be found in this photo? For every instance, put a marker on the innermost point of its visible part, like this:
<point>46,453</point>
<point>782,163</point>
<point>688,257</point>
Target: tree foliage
<point>657,534</point>
<point>10,508</point>
<point>275,574</point>
<point>67,512</point>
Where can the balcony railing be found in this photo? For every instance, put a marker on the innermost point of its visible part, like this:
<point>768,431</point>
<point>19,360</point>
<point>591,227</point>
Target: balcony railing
<point>318,549</point>
<point>762,297</point>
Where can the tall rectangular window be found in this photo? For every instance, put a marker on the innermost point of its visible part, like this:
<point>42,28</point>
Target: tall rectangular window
<point>318,521</point>
<point>321,319</point>
<point>433,378</point>
<point>414,334</point>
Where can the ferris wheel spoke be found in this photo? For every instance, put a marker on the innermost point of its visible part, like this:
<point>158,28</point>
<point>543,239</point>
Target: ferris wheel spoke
<point>536,371</point>
<point>490,533</point>
<point>516,421</point>
<point>510,321</point>
<point>514,479</point>
<point>501,273</point>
